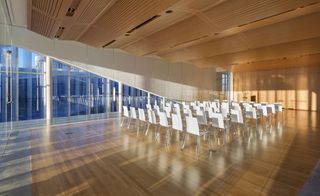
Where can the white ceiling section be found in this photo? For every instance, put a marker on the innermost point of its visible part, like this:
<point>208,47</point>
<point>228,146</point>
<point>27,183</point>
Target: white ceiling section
<point>206,33</point>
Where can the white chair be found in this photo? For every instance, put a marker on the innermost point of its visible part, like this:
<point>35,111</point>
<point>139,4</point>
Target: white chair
<point>163,123</point>
<point>125,115</point>
<point>225,112</point>
<point>271,109</point>
<point>187,112</point>
<point>202,118</point>
<point>192,128</point>
<point>250,112</point>
<point>278,107</point>
<point>157,109</point>
<point>186,107</point>
<point>217,121</point>
<point>142,117</point>
<point>262,110</point>
<point>167,111</point>
<point>151,120</point>
<point>177,122</point>
<point>236,116</point>
<point>177,107</point>
<point>133,115</point>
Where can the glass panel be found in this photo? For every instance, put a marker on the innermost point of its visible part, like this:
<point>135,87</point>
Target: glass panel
<point>114,94</point>
<point>27,82</point>
<point>31,96</point>
<point>98,94</point>
<point>78,92</point>
<point>60,89</point>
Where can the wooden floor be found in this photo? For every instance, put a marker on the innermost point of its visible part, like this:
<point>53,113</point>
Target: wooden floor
<point>99,158</point>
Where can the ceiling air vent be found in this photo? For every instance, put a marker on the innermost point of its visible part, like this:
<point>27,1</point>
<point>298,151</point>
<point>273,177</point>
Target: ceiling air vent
<point>109,43</point>
<point>191,40</point>
<point>144,23</point>
<point>59,32</point>
<point>73,7</point>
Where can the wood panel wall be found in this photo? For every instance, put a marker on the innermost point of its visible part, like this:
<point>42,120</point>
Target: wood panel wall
<point>296,88</point>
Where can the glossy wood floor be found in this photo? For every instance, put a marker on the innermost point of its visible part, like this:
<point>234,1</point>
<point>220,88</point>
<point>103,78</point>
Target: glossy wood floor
<point>99,158</point>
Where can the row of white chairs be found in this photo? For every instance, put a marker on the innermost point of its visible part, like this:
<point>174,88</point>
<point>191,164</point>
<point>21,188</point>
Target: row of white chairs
<point>202,115</point>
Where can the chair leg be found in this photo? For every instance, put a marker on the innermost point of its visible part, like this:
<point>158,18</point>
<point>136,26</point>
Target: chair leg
<point>210,138</point>
<point>198,142</point>
<point>157,133</point>
<point>122,121</point>
<point>148,126</point>
<point>138,129</point>
<point>184,140</point>
<point>168,135</point>
<point>129,123</point>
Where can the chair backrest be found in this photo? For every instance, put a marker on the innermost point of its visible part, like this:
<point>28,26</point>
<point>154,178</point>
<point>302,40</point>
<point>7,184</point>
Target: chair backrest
<point>187,112</point>
<point>167,111</point>
<point>142,115</point>
<point>150,117</point>
<point>263,110</point>
<point>156,107</point>
<point>163,119</point>
<point>186,107</point>
<point>177,107</point>
<point>217,120</point>
<point>202,119</point>
<point>257,105</point>
<point>177,122</point>
<point>199,112</point>
<point>192,126</point>
<point>225,106</point>
<point>271,108</point>
<point>278,107</point>
<point>125,111</point>
<point>251,112</point>
<point>236,116</point>
<point>133,113</point>
<point>236,106</point>
<point>210,112</point>
<point>224,112</point>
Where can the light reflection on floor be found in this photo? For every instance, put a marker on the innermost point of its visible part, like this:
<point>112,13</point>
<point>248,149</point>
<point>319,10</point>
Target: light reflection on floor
<point>256,158</point>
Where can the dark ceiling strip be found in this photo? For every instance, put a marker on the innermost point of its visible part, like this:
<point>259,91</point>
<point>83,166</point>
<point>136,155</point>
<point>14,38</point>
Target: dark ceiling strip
<point>109,43</point>
<point>144,23</point>
<point>277,14</point>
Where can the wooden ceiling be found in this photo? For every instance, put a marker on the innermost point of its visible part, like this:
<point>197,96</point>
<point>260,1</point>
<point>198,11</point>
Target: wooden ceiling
<point>208,33</point>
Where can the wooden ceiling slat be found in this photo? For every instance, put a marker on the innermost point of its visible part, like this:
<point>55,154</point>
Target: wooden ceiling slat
<point>206,32</point>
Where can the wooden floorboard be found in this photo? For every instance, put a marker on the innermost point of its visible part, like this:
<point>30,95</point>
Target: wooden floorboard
<point>100,158</point>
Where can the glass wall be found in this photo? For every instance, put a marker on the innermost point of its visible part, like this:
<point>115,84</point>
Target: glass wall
<point>223,86</point>
<point>114,96</point>
<point>155,100</point>
<point>74,91</point>
<point>21,84</point>
<point>78,92</point>
<point>134,97</point>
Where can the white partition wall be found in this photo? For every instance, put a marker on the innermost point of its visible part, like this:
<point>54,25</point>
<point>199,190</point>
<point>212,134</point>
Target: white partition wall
<point>174,80</point>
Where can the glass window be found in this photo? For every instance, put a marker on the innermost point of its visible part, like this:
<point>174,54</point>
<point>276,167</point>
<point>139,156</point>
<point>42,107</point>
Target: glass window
<point>60,89</point>
<point>114,93</point>
<point>25,80</point>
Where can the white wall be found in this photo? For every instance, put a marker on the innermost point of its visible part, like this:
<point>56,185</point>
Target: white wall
<point>174,80</point>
